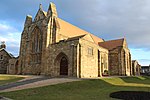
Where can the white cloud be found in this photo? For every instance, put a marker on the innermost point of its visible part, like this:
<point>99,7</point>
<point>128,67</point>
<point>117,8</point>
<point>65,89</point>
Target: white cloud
<point>112,19</point>
<point>4,27</point>
<point>11,36</point>
<point>107,19</point>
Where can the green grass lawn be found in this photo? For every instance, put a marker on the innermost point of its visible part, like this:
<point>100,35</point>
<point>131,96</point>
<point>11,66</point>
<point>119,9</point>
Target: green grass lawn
<point>4,79</point>
<point>92,89</point>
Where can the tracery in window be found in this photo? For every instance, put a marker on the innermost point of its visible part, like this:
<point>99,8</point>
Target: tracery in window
<point>36,45</point>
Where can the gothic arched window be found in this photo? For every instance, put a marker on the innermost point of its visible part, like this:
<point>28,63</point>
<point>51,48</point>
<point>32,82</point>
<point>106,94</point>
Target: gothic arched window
<point>36,45</point>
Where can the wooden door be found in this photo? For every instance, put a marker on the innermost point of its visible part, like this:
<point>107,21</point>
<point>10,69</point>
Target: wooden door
<point>63,66</point>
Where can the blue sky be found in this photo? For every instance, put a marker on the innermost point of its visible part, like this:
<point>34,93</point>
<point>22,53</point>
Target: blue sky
<point>108,19</point>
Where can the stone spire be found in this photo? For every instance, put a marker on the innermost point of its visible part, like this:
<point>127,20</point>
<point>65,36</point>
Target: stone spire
<point>3,46</point>
<point>52,10</point>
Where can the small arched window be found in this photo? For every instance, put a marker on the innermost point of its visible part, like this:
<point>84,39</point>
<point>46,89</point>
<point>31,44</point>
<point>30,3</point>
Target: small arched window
<point>1,57</point>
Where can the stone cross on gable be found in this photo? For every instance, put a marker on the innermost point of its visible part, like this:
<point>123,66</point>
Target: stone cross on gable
<point>2,45</point>
<point>2,42</point>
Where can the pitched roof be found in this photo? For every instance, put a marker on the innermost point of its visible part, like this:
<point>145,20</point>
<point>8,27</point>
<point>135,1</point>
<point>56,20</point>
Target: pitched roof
<point>145,66</point>
<point>134,61</point>
<point>6,52</point>
<point>75,38</point>
<point>45,13</point>
<point>112,44</point>
<point>70,30</point>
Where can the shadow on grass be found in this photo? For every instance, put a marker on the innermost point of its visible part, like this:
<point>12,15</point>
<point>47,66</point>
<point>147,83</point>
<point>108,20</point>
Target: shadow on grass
<point>96,89</point>
<point>131,95</point>
<point>80,90</point>
<point>138,79</point>
<point>8,81</point>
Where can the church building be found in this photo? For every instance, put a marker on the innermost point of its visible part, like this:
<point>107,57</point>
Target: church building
<point>54,47</point>
<point>4,58</point>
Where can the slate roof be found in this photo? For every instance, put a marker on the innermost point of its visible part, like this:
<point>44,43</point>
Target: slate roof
<point>145,66</point>
<point>7,52</point>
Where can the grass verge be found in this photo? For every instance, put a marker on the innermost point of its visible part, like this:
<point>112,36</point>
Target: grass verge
<point>4,79</point>
<point>92,89</point>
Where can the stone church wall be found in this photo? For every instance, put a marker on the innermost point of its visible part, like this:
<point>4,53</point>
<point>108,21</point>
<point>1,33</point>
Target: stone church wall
<point>120,61</point>
<point>135,68</point>
<point>113,62</point>
<point>56,51</point>
<point>89,61</point>
<point>12,68</point>
<point>84,57</point>
<point>4,61</point>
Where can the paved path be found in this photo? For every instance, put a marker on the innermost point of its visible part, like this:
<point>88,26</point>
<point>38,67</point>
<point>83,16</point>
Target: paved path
<point>38,81</point>
<point>33,82</point>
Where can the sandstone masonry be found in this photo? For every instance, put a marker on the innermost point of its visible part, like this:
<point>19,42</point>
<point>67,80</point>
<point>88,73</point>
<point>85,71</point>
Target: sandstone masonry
<point>54,47</point>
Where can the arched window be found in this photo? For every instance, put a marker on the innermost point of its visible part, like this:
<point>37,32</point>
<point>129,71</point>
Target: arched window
<point>36,45</point>
<point>1,57</point>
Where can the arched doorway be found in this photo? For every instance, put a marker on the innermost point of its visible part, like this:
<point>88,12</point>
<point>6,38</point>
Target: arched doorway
<point>63,66</point>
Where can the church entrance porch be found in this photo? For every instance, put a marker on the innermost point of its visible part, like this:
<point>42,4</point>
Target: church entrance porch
<point>62,64</point>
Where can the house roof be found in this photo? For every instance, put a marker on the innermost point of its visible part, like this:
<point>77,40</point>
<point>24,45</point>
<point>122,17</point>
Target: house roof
<point>112,44</point>
<point>6,52</point>
<point>145,66</point>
